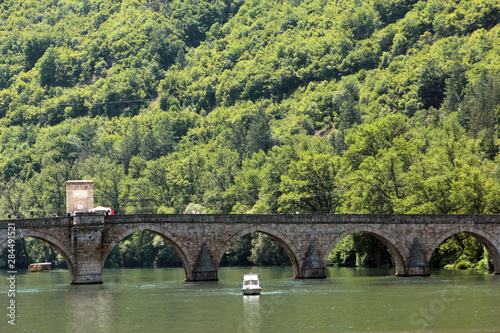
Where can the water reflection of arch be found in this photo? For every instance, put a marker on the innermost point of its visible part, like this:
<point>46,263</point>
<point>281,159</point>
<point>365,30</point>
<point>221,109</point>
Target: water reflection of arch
<point>396,250</point>
<point>186,259</point>
<point>291,250</point>
<point>89,309</point>
<point>491,244</point>
<point>54,242</point>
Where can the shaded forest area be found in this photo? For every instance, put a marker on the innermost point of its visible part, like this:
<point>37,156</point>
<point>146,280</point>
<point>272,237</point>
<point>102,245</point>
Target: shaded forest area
<point>254,107</point>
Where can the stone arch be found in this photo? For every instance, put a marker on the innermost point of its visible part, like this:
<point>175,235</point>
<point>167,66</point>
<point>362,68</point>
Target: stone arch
<point>283,241</point>
<point>80,206</point>
<point>182,251</point>
<point>397,251</point>
<point>52,241</point>
<point>491,244</point>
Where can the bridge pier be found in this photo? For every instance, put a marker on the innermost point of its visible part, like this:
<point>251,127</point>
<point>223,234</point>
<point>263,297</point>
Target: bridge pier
<point>313,273</point>
<point>313,268</point>
<point>87,278</point>
<point>204,269</point>
<point>416,271</point>
<point>86,237</point>
<point>416,264</point>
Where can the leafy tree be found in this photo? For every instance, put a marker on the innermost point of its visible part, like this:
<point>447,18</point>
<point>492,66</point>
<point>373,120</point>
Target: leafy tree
<point>12,197</point>
<point>431,84</point>
<point>48,68</point>
<point>222,167</point>
<point>457,248</point>
<point>35,46</point>
<point>368,139</point>
<point>166,255</point>
<point>130,145</point>
<point>455,86</point>
<point>30,250</point>
<point>445,173</point>
<point>477,113</point>
<point>370,252</point>
<point>311,185</point>
<point>110,182</point>
<point>238,254</point>
<point>266,251</point>
<point>49,188</point>
<point>343,255</point>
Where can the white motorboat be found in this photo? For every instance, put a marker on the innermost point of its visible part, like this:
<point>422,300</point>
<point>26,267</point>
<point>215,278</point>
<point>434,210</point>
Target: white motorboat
<point>251,284</point>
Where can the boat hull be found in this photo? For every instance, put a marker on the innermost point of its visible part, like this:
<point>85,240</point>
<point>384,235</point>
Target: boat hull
<point>39,269</point>
<point>251,291</point>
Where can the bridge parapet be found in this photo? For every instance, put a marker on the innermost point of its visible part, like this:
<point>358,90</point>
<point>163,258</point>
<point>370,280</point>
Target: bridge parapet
<point>38,222</point>
<point>308,219</point>
<point>96,218</point>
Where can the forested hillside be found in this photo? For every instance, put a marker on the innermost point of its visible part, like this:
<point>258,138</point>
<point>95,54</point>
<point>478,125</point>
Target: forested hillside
<point>315,106</point>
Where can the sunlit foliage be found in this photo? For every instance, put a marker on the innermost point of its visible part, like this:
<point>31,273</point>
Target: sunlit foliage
<point>251,107</point>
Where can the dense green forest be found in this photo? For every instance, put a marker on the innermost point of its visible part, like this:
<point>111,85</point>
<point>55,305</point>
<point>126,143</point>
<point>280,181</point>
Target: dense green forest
<point>276,106</point>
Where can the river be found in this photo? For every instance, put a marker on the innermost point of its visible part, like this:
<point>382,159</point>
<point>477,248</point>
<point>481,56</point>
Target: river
<point>348,300</point>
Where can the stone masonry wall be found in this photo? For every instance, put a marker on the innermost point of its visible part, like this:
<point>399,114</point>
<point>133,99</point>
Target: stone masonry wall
<point>85,240</point>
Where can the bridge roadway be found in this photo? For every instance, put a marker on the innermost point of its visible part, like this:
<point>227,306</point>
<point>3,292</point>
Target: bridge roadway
<point>201,240</point>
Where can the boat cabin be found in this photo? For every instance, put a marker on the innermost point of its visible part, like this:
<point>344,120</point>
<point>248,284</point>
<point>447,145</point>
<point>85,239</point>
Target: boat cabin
<point>251,284</point>
<point>40,267</point>
<point>251,279</point>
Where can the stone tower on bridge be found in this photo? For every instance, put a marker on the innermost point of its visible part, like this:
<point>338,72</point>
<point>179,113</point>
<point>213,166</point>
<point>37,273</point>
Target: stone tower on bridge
<point>79,195</point>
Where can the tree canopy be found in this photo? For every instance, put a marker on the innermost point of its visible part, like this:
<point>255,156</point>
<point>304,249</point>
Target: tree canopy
<point>251,106</point>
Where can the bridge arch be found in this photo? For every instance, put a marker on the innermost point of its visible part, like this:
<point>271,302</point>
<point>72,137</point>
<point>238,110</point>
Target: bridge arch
<point>52,241</point>
<point>397,251</point>
<point>283,241</point>
<point>491,244</point>
<point>186,259</point>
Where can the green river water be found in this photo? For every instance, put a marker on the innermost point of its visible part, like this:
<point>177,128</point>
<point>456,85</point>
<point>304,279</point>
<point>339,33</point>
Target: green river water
<point>348,300</point>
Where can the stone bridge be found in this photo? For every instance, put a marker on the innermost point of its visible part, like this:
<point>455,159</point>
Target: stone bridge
<point>201,240</point>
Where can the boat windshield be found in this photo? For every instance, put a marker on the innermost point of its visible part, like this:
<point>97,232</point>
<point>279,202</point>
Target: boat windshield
<point>249,282</point>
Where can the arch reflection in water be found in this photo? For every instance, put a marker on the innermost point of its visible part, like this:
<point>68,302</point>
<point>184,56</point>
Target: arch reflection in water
<point>89,310</point>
